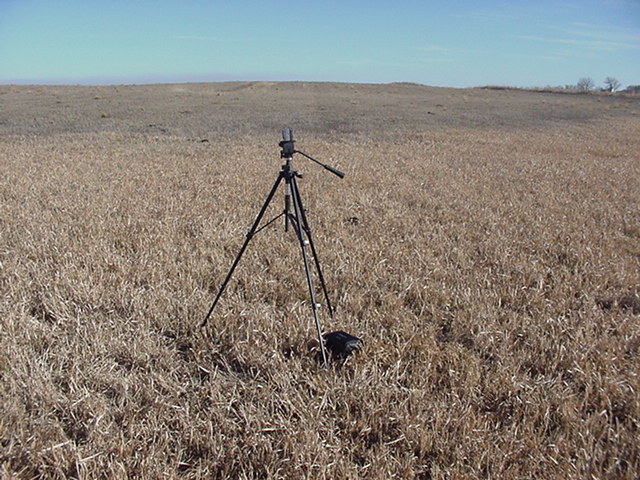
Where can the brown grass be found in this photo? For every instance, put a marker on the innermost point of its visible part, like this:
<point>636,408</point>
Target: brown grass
<point>487,252</point>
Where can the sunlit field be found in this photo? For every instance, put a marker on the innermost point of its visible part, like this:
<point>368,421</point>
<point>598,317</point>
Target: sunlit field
<point>484,244</point>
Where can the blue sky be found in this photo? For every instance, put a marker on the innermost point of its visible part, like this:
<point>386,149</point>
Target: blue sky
<point>447,43</point>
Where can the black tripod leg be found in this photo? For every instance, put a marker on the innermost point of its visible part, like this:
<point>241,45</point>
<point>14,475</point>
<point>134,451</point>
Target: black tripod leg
<point>301,237</point>
<point>307,229</point>
<point>242,249</point>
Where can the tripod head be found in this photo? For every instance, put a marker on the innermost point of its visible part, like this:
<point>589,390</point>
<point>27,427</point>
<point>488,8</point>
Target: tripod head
<point>288,150</point>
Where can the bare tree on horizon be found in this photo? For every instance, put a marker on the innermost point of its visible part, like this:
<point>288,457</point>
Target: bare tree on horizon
<point>611,84</point>
<point>586,84</point>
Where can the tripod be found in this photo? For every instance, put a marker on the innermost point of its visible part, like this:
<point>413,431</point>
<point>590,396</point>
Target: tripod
<point>295,217</point>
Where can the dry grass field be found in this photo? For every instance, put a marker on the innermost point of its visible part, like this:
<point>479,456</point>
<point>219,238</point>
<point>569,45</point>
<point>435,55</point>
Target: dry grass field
<point>485,245</point>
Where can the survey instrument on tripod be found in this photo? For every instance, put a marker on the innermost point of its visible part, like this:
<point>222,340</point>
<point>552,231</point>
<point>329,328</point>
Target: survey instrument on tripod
<point>295,216</point>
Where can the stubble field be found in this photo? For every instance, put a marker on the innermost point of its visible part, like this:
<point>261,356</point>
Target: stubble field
<point>485,245</point>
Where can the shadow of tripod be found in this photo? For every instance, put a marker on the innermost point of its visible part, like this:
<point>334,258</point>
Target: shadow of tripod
<point>295,217</point>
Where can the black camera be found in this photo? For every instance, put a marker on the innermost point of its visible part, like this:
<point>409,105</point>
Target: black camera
<point>287,143</point>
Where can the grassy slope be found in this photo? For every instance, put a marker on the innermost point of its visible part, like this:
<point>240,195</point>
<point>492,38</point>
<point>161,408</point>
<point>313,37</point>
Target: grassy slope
<point>485,244</point>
